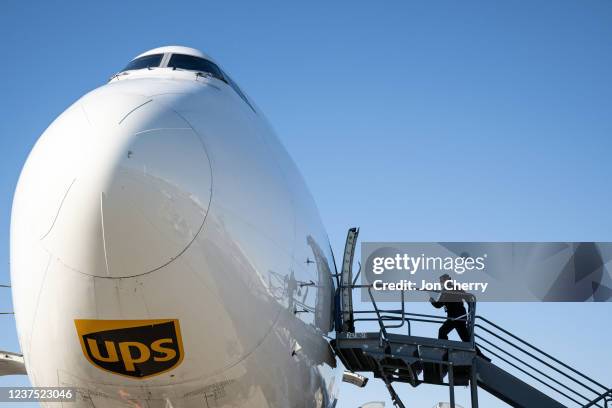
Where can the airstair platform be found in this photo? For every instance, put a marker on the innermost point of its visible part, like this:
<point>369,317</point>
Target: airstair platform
<point>518,373</point>
<point>405,358</point>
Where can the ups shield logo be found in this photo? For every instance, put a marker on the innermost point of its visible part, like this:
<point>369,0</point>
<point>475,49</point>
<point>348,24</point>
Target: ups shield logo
<point>133,348</point>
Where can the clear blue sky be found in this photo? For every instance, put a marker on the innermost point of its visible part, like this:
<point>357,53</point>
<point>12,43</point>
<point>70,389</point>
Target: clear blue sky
<point>419,121</point>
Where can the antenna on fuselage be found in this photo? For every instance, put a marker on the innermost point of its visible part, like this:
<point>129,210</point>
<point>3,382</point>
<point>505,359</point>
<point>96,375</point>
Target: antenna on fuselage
<point>6,313</point>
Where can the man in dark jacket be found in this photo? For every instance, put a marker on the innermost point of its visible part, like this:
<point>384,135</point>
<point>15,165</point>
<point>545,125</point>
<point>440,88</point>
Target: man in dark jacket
<point>456,315</point>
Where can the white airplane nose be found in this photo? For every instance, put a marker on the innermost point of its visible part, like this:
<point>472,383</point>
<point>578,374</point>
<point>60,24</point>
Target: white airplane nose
<point>139,191</point>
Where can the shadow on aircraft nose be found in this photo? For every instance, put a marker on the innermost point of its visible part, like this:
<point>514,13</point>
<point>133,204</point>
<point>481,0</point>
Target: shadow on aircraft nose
<point>140,193</point>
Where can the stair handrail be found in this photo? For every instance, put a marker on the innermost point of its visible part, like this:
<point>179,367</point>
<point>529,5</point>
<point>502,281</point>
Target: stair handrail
<point>594,402</point>
<point>524,371</point>
<point>603,397</point>
<point>469,318</point>
<point>382,315</point>
<point>541,352</point>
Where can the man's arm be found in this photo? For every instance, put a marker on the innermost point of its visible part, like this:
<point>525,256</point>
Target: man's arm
<point>435,304</point>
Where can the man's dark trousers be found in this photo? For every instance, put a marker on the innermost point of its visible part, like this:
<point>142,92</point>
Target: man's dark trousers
<point>458,325</point>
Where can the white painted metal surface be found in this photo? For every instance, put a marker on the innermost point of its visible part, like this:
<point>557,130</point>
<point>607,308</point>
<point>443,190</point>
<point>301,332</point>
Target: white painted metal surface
<point>163,195</point>
<point>178,49</point>
<point>376,404</point>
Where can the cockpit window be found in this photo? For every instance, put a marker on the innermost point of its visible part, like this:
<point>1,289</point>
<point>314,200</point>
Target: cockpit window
<point>189,63</point>
<point>148,61</point>
<point>236,88</point>
<point>192,63</point>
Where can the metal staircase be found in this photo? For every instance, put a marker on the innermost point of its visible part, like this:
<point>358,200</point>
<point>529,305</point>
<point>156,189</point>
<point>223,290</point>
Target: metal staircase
<point>518,375</point>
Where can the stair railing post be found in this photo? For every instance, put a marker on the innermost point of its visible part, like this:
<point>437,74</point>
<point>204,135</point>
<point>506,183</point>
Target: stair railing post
<point>473,386</point>
<point>472,314</point>
<point>451,385</point>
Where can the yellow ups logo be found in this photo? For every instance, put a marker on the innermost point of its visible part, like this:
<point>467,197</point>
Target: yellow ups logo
<point>134,348</point>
